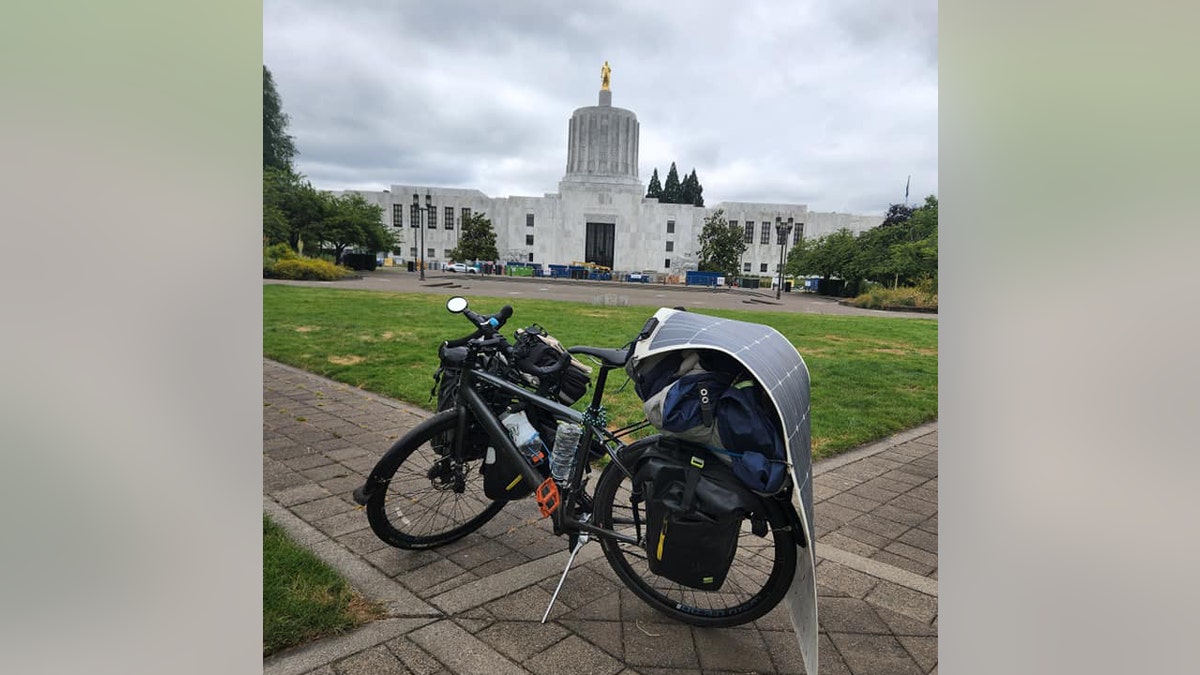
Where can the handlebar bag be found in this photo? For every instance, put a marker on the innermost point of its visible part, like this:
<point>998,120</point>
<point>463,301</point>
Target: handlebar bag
<point>694,510</point>
<point>535,349</point>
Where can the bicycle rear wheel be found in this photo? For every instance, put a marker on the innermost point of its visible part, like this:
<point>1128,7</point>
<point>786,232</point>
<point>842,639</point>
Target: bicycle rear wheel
<point>759,577</point>
<point>430,498</point>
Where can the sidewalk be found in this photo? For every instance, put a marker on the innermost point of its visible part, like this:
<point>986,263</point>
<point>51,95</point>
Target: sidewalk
<point>474,606</point>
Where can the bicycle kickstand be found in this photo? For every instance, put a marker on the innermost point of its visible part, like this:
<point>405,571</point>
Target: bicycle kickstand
<point>583,539</point>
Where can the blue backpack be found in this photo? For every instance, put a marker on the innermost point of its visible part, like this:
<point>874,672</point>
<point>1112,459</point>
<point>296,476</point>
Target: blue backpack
<point>705,407</point>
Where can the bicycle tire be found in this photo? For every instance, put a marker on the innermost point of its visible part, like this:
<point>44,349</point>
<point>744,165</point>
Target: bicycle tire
<point>758,579</point>
<point>416,506</point>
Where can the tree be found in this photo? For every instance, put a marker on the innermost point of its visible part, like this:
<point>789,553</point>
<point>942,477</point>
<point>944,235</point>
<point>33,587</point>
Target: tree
<point>477,239</point>
<point>687,189</point>
<point>697,196</point>
<point>721,245</point>
<point>351,221</point>
<point>655,189</point>
<point>830,255</point>
<point>896,213</point>
<point>672,190</point>
<point>288,194</point>
<point>278,148</point>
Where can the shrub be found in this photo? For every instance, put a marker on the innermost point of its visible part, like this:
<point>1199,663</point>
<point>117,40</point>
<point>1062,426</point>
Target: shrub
<point>307,269</point>
<point>276,252</point>
<point>879,297</point>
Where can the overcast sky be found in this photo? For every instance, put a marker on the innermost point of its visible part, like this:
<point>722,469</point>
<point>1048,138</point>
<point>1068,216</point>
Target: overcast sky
<point>831,103</point>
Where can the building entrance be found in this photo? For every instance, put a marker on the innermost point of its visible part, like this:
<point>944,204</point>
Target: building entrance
<point>599,245</point>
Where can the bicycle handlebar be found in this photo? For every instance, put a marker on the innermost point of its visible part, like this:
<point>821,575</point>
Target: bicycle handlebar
<point>485,325</point>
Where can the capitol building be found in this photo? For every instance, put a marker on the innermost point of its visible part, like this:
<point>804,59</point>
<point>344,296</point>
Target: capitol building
<point>600,213</point>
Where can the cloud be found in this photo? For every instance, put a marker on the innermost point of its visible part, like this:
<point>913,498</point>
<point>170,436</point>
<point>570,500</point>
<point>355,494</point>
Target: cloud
<point>829,104</point>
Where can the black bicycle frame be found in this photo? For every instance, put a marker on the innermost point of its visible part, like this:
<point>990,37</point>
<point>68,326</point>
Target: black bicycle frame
<point>471,402</point>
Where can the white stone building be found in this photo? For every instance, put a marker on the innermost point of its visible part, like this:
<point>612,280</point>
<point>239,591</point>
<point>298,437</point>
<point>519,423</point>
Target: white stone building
<point>599,214</point>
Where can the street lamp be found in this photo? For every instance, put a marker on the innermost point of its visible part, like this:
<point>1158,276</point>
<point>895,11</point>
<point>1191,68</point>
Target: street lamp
<point>421,225</point>
<point>782,231</point>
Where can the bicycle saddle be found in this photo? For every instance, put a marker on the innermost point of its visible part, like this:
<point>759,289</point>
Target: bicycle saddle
<point>609,358</point>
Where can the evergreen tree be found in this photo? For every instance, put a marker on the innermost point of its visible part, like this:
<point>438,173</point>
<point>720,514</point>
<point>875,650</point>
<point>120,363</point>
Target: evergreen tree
<point>477,240</point>
<point>655,189</point>
<point>687,191</point>
<point>697,198</point>
<point>278,148</point>
<point>672,190</point>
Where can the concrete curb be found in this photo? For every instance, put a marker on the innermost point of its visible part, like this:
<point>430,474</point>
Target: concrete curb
<point>863,452</point>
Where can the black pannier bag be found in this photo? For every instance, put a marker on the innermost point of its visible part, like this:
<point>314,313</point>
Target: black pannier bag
<point>445,378</point>
<point>535,348</point>
<point>694,510</point>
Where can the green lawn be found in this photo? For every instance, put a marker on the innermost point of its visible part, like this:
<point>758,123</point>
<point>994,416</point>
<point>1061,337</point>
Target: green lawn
<point>303,598</point>
<point>871,377</point>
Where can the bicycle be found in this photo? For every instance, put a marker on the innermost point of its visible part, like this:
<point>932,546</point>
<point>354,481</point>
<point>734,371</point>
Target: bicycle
<point>429,488</point>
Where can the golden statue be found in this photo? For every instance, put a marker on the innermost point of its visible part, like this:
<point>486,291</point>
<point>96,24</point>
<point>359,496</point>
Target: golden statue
<point>604,76</point>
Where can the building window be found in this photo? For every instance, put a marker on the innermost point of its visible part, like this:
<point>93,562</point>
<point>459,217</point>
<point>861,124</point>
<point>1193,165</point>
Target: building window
<point>446,253</point>
<point>762,267</point>
<point>415,221</point>
<point>667,264</point>
<point>530,256</point>
<point>430,254</point>
<point>449,217</point>
<point>745,267</point>
<point>466,213</point>
<point>412,252</point>
<point>529,240</point>
<point>749,232</point>
<point>797,233</point>
<point>432,224</point>
<point>766,233</point>
<point>397,215</point>
<point>670,228</point>
<point>670,246</point>
<point>781,237</point>
<point>528,220</point>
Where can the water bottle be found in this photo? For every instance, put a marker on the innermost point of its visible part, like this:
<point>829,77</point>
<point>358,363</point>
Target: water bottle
<point>562,457</point>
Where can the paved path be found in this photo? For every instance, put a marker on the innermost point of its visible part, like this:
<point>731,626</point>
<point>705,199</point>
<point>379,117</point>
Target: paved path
<point>474,606</point>
<point>623,293</point>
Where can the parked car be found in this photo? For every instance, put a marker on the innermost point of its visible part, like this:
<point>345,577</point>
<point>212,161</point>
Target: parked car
<point>461,267</point>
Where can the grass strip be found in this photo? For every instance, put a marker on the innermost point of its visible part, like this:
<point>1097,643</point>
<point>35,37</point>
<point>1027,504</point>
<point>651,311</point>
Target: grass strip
<point>303,598</point>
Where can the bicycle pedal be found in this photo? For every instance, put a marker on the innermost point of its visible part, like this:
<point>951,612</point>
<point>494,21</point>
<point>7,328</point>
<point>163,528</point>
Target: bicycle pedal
<point>547,496</point>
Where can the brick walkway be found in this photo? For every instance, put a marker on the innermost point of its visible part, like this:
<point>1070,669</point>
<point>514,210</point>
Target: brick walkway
<point>474,606</point>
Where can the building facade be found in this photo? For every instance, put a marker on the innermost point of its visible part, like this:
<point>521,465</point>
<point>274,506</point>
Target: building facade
<point>600,213</point>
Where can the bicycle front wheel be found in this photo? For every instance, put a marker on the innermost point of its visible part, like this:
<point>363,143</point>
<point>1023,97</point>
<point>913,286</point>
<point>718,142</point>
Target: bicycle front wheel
<point>430,497</point>
<point>758,578</point>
